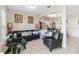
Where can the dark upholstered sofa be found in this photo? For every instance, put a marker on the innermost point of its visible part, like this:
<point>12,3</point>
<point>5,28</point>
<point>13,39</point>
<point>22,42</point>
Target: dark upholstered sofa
<point>28,35</point>
<point>53,41</point>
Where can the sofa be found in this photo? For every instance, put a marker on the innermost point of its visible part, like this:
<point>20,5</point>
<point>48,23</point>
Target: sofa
<point>17,38</point>
<point>28,35</point>
<point>53,40</point>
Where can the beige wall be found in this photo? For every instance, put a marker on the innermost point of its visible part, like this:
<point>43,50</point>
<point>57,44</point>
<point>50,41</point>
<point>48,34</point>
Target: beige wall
<point>21,26</point>
<point>73,26</point>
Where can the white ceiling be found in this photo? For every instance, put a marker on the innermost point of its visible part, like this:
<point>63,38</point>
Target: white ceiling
<point>72,10</point>
<point>35,11</point>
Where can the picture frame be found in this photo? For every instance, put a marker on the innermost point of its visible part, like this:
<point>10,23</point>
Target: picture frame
<point>18,18</point>
<point>30,19</point>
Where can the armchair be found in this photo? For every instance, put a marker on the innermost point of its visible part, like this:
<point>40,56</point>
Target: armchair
<point>54,41</point>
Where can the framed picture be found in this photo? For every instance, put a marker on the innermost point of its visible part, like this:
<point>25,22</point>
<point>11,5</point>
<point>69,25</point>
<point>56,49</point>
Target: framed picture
<point>18,18</point>
<point>30,19</point>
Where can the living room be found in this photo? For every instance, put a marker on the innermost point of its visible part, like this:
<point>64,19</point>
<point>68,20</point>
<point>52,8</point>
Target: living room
<point>37,19</point>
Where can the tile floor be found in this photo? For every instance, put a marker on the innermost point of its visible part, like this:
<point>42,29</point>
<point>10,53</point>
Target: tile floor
<point>37,47</point>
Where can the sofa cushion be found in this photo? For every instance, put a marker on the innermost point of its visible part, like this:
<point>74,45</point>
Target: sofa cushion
<point>35,32</point>
<point>26,33</point>
<point>55,35</point>
<point>48,34</point>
